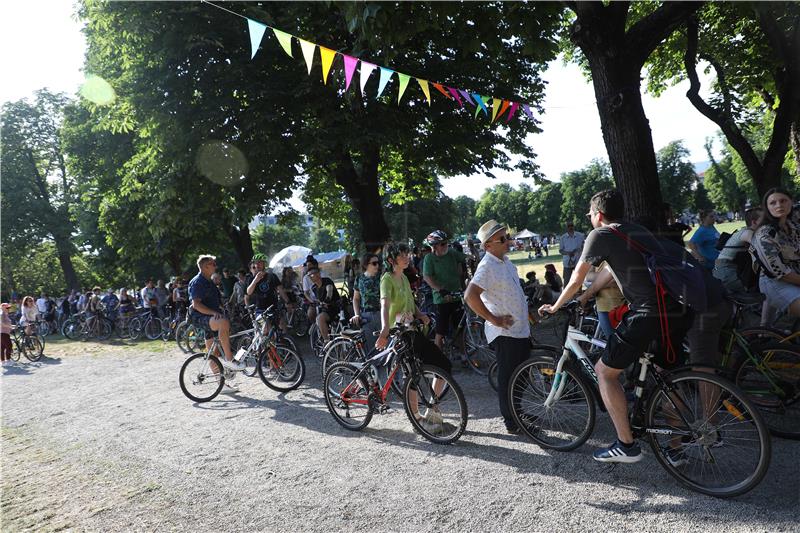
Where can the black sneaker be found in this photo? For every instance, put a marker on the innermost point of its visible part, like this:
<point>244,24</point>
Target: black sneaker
<point>513,430</point>
<point>675,457</point>
<point>617,453</point>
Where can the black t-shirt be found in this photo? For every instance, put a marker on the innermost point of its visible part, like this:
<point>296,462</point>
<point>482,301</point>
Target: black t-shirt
<point>627,265</point>
<point>265,293</point>
<point>206,292</point>
<point>322,293</point>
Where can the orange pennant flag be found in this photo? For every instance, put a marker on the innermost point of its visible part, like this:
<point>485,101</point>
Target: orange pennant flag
<point>503,108</point>
<point>440,88</point>
<point>327,60</point>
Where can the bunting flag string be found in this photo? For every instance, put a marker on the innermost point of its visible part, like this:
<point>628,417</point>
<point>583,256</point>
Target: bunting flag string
<point>256,31</point>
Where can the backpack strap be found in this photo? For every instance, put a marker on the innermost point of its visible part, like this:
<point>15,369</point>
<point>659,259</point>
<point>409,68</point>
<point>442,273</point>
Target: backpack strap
<point>661,300</point>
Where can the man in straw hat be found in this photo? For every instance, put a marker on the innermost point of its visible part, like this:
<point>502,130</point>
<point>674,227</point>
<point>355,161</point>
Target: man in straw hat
<point>495,295</point>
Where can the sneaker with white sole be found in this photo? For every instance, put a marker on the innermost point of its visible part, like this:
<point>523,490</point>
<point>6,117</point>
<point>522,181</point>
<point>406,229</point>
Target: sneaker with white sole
<point>618,453</point>
<point>434,417</point>
<point>676,457</point>
<point>230,386</point>
<point>233,365</point>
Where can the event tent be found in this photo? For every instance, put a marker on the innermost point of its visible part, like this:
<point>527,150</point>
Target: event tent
<point>526,234</point>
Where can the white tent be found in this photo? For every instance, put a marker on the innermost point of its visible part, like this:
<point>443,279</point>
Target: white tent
<point>289,256</point>
<point>525,234</point>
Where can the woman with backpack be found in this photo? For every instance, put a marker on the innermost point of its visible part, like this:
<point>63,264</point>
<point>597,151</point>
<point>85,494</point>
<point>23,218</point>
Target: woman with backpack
<point>733,267</point>
<point>776,247</point>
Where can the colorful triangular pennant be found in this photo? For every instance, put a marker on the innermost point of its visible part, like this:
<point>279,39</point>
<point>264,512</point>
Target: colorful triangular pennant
<point>441,89</point>
<point>349,68</point>
<point>514,107</point>
<point>423,84</point>
<point>496,103</point>
<point>454,92</point>
<point>366,70</point>
<point>386,75</point>
<point>308,52</point>
<point>527,109</point>
<point>467,97</point>
<point>327,55</point>
<point>481,101</point>
<point>256,30</point>
<point>503,108</point>
<point>403,78</point>
<point>285,41</point>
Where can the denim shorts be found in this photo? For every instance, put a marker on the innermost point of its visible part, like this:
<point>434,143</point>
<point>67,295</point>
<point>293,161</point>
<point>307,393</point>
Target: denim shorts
<point>203,322</point>
<point>780,294</point>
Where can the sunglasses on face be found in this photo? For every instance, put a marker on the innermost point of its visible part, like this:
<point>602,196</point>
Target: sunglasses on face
<point>502,239</point>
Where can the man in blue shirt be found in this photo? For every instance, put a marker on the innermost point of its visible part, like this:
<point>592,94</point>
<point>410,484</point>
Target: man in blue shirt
<point>703,243</point>
<point>207,309</point>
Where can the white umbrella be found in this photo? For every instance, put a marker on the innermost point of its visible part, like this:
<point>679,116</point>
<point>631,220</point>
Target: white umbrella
<point>289,256</point>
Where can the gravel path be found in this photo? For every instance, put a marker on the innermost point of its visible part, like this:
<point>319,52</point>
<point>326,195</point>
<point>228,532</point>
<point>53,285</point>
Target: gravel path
<point>100,438</point>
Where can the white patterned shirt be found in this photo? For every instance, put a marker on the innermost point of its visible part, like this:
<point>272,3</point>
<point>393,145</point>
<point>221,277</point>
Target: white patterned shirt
<point>502,295</point>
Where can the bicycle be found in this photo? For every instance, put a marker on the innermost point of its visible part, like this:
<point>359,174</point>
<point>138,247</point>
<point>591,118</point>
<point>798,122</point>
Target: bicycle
<point>470,334</point>
<point>335,328</point>
<point>202,376</point>
<point>767,370</point>
<point>354,391</point>
<point>146,322</point>
<point>703,430</point>
<point>31,346</point>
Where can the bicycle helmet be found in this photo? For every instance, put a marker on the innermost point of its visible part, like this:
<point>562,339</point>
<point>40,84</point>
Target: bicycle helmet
<point>436,237</point>
<point>259,257</point>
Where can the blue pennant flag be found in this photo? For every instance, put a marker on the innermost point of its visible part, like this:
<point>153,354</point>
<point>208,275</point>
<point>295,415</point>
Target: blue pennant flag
<point>256,34</point>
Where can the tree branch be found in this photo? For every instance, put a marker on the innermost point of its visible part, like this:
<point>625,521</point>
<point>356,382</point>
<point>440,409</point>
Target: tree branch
<point>725,122</point>
<point>723,83</point>
<point>649,32</point>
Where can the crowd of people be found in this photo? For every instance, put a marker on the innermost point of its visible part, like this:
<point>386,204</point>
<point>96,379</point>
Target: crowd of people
<point>402,284</point>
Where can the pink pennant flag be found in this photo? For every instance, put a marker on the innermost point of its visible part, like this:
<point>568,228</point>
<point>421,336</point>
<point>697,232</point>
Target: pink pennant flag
<point>527,109</point>
<point>349,68</point>
<point>514,106</point>
<point>455,95</point>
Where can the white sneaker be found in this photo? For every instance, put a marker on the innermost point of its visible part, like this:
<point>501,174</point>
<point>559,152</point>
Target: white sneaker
<point>434,417</point>
<point>233,365</point>
<point>230,386</point>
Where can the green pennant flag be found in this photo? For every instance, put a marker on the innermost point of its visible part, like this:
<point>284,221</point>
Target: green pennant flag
<point>403,84</point>
<point>285,39</point>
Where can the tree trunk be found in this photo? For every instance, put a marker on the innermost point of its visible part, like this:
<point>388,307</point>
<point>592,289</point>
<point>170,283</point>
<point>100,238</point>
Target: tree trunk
<point>616,56</point>
<point>363,191</point>
<point>175,260</point>
<point>64,249</point>
<point>242,243</point>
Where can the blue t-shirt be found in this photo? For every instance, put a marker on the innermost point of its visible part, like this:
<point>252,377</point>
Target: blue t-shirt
<point>705,238</point>
<point>206,292</point>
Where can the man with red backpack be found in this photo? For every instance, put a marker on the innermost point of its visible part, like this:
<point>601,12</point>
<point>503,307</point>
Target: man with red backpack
<point>620,244</point>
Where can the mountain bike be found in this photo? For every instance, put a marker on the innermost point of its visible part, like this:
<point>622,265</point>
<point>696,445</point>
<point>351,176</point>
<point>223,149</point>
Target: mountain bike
<point>433,401</point>
<point>703,430</point>
<point>335,327</point>
<point>202,376</point>
<point>146,323</point>
<point>31,346</point>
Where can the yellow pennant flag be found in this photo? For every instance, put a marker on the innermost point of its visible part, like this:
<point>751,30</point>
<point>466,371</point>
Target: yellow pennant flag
<point>308,52</point>
<point>285,41</point>
<point>423,84</point>
<point>327,60</point>
<point>496,103</point>
<point>403,84</point>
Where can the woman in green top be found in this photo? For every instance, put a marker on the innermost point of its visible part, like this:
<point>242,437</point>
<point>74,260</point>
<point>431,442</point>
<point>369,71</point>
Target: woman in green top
<point>398,305</point>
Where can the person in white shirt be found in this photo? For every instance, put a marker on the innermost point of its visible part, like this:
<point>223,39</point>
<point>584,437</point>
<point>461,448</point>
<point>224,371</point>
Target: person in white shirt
<point>41,303</point>
<point>496,296</point>
<point>570,247</point>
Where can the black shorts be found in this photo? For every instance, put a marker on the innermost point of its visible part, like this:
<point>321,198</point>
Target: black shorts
<point>430,353</point>
<point>635,333</point>
<point>447,315</point>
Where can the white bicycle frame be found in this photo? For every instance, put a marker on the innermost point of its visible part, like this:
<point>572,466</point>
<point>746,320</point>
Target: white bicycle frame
<point>574,336</point>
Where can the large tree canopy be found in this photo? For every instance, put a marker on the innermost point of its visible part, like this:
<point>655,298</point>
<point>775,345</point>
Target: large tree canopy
<point>184,80</point>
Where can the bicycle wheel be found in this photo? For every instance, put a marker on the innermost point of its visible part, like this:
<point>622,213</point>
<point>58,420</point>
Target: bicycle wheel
<point>315,341</point>
<point>708,435</point>
<point>493,376</point>
<point>153,328</point>
<point>772,382</point>
<point>16,350</point>
<point>281,369</point>
<point>137,328</point>
<point>337,350</point>
<point>347,398</point>
<point>299,323</point>
<point>435,405</point>
<point>250,358</point>
<point>201,378</point>
<point>71,329</point>
<point>289,343</point>
<point>479,355</point>
<point>103,329</point>
<point>766,335</point>
<point>569,421</point>
<point>181,336</point>
<point>33,348</point>
<point>43,328</point>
